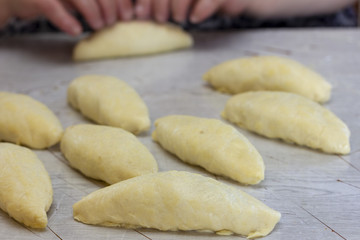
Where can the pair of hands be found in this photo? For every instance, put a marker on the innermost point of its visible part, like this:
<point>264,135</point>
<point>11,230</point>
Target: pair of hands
<point>101,13</point>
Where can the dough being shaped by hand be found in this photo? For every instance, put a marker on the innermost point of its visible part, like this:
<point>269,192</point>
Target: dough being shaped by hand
<point>171,201</point>
<point>25,186</point>
<point>131,39</point>
<point>211,144</point>
<point>109,101</point>
<point>106,153</point>
<point>268,73</point>
<point>23,120</point>
<point>290,117</point>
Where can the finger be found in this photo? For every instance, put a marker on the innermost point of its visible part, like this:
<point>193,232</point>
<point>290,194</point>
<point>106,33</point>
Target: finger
<point>108,9</point>
<point>204,9</point>
<point>180,9</point>
<point>68,6</point>
<point>161,10</point>
<point>125,9</point>
<point>57,14</point>
<point>143,9</point>
<point>233,7</point>
<point>91,11</point>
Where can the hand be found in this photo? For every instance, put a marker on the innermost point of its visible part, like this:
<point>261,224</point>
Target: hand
<point>98,13</point>
<point>161,10</point>
<point>198,10</point>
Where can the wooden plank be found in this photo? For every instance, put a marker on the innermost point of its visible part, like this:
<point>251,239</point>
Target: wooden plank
<point>316,193</point>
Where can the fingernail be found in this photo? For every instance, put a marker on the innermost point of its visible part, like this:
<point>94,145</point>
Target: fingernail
<point>111,20</point>
<point>98,24</point>
<point>179,19</point>
<point>194,19</point>
<point>160,18</point>
<point>139,10</point>
<point>76,30</point>
<point>128,15</point>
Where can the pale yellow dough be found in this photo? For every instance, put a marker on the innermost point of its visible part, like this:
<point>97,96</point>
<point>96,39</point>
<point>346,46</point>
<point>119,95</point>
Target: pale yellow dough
<point>109,101</point>
<point>131,39</point>
<point>106,153</point>
<point>171,201</point>
<point>290,117</point>
<point>211,144</point>
<point>25,186</point>
<point>26,121</point>
<point>268,73</point>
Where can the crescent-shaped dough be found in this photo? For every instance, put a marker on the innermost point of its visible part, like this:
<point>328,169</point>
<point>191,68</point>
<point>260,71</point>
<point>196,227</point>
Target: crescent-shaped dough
<point>25,186</point>
<point>211,144</point>
<point>171,201</point>
<point>109,101</point>
<point>268,73</point>
<point>106,153</point>
<point>26,121</point>
<point>131,39</point>
<point>290,117</point>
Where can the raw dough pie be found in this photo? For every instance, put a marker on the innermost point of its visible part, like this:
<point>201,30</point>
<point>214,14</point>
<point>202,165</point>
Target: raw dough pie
<point>290,117</point>
<point>109,101</point>
<point>23,120</point>
<point>25,186</point>
<point>130,39</point>
<point>268,73</point>
<point>171,201</point>
<point>106,153</point>
<point>211,144</point>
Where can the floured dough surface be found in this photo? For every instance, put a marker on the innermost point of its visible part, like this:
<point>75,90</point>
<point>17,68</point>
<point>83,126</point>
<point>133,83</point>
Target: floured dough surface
<point>109,101</point>
<point>268,73</point>
<point>211,144</point>
<point>26,121</point>
<point>25,186</point>
<point>171,201</point>
<point>106,153</point>
<point>290,117</point>
<point>131,39</point>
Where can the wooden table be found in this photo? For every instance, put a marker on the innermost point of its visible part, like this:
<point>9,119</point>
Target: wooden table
<point>318,194</point>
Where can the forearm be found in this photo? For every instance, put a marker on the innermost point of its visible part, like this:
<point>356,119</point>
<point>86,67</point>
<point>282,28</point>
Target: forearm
<point>294,8</point>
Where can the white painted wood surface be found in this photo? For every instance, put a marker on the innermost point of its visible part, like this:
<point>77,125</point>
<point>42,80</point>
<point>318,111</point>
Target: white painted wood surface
<point>318,194</point>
